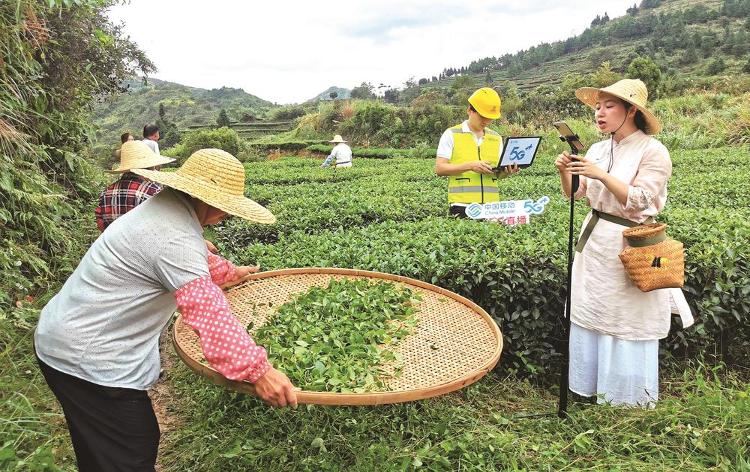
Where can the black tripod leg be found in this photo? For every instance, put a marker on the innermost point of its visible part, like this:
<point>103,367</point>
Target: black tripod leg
<point>562,407</point>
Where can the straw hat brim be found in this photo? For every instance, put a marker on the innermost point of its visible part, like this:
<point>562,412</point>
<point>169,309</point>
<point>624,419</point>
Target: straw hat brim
<point>342,141</point>
<point>590,96</point>
<point>144,164</point>
<point>236,205</point>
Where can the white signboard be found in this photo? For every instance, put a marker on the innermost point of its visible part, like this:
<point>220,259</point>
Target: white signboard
<point>510,212</point>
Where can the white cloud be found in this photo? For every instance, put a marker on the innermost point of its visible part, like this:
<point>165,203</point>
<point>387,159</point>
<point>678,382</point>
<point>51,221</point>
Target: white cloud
<point>287,51</point>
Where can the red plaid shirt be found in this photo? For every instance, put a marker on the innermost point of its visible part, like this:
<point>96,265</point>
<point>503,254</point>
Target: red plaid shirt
<point>122,196</point>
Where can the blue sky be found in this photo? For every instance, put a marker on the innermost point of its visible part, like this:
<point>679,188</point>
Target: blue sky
<point>289,51</point>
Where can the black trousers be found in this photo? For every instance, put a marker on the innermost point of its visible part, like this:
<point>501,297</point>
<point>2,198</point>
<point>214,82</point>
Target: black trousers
<point>112,429</point>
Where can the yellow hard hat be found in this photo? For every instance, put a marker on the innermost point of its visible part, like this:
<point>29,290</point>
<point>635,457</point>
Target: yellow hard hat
<point>486,102</point>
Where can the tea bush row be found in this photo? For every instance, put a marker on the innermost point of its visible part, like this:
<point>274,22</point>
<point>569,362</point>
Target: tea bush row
<point>390,216</point>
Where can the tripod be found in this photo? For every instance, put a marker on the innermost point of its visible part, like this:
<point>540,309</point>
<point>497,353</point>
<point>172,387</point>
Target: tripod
<point>562,406</point>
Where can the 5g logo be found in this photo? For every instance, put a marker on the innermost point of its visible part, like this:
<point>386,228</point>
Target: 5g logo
<point>518,154</point>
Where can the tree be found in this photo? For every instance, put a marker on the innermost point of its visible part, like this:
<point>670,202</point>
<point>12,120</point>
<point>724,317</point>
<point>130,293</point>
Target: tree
<point>488,78</point>
<point>363,91</point>
<point>648,71</point>
<point>168,131</point>
<point>391,95</point>
<point>463,82</point>
<point>716,66</point>
<point>604,75</point>
<point>690,56</point>
<point>45,124</point>
<point>423,81</point>
<point>650,3</point>
<point>333,95</point>
<point>746,68</point>
<point>223,119</point>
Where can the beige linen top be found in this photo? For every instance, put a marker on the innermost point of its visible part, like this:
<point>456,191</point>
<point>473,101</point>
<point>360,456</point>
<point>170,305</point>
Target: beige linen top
<point>604,299</point>
<point>639,160</point>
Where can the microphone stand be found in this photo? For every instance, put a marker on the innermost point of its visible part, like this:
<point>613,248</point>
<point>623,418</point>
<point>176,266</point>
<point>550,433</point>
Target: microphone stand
<point>562,406</point>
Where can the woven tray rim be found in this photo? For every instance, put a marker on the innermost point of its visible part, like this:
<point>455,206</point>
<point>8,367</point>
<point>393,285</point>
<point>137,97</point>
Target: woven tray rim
<point>369,398</point>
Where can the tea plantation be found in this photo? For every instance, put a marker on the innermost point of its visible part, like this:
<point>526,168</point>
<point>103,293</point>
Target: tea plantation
<point>389,215</point>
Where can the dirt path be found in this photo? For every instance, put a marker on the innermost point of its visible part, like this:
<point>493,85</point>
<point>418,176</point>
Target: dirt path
<point>162,395</point>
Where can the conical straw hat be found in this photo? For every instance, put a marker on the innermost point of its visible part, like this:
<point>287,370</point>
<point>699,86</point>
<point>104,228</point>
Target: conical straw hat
<point>337,139</point>
<point>137,155</point>
<point>216,178</point>
<point>632,91</point>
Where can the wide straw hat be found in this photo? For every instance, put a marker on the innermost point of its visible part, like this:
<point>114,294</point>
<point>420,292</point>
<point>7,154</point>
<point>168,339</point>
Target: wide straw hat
<point>337,139</point>
<point>137,155</point>
<point>632,91</point>
<point>214,177</point>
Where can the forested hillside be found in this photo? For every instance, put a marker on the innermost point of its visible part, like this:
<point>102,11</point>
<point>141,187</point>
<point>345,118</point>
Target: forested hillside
<point>692,42</point>
<point>152,100</point>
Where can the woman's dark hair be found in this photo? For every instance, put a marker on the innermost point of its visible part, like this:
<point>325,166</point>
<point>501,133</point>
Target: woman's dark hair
<point>640,119</point>
<point>124,137</point>
<point>471,107</point>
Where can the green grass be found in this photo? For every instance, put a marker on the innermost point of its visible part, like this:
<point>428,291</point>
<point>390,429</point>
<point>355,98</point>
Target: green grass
<point>701,423</point>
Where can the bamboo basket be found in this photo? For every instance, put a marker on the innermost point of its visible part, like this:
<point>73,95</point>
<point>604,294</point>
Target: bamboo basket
<point>653,260</point>
<point>455,344</point>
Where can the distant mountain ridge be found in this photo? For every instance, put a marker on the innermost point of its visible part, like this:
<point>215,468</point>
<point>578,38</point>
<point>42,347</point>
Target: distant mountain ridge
<point>183,105</point>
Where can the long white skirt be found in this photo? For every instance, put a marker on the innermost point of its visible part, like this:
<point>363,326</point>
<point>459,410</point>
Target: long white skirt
<point>617,371</point>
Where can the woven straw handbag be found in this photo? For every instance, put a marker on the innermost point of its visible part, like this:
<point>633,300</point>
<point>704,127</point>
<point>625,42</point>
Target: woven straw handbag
<point>652,259</point>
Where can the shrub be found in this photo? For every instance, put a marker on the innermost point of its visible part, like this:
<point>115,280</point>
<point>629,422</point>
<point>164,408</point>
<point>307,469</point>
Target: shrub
<point>289,112</point>
<point>222,138</point>
<point>716,66</point>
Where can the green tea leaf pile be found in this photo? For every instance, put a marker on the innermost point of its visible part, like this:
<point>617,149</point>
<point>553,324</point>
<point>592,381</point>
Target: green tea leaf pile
<point>339,338</point>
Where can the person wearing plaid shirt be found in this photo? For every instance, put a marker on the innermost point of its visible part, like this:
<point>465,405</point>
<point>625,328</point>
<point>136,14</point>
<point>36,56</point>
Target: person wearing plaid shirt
<point>122,196</point>
<point>130,190</point>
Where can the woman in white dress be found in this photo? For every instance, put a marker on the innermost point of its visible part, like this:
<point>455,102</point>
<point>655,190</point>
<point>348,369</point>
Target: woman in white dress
<point>615,328</point>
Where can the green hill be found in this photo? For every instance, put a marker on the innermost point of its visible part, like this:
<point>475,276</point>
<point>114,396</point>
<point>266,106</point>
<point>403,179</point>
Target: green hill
<point>686,38</point>
<point>185,106</point>
<point>341,93</point>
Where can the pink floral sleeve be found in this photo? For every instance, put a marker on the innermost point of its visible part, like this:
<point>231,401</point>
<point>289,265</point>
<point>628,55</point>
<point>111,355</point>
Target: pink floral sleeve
<point>221,270</point>
<point>225,343</point>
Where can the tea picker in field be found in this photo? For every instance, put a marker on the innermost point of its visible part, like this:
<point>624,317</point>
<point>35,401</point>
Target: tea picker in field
<point>130,190</point>
<point>124,138</point>
<point>97,339</point>
<point>341,154</point>
<point>468,152</point>
<point>615,327</point>
<point>151,137</point>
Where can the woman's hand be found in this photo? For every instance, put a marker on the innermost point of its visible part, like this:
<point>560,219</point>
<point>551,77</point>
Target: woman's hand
<point>562,162</point>
<point>210,246</point>
<point>241,274</point>
<point>275,388</point>
<point>586,168</point>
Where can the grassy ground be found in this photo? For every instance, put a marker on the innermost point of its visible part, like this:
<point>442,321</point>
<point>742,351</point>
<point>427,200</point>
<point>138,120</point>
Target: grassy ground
<point>701,423</point>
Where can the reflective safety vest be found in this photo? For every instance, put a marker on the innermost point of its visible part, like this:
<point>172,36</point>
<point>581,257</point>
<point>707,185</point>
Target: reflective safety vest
<point>470,186</point>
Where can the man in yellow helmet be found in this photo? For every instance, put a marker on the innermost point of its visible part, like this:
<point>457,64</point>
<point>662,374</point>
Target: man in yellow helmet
<point>468,152</point>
